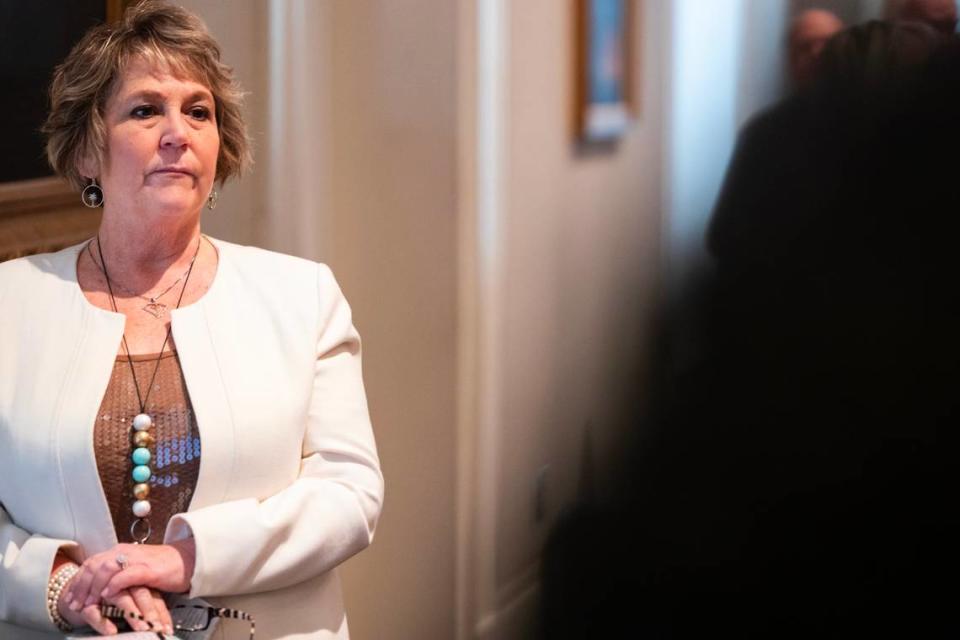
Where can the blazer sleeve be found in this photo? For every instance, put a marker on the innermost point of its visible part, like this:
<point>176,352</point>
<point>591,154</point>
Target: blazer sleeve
<point>330,511</point>
<point>25,564</point>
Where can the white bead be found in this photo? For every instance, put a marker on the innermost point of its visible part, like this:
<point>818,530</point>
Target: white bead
<point>141,508</point>
<point>142,422</point>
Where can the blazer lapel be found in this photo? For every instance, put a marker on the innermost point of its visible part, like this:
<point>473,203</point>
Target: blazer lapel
<point>194,332</point>
<point>95,339</point>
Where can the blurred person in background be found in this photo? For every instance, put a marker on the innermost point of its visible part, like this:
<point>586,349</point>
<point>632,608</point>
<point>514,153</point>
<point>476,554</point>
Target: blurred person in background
<point>178,414</point>
<point>809,32</point>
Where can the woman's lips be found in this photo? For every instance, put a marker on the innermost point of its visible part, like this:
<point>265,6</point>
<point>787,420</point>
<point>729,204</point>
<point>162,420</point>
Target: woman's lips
<point>174,172</point>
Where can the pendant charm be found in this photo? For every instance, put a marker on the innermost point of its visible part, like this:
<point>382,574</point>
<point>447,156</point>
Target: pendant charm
<point>142,422</point>
<point>140,530</point>
<point>156,309</point>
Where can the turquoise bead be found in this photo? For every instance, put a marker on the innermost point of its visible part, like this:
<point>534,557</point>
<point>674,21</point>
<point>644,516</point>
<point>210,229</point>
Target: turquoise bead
<point>141,455</point>
<point>141,473</point>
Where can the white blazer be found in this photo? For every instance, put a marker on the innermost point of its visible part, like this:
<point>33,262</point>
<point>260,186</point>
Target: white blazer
<point>289,484</point>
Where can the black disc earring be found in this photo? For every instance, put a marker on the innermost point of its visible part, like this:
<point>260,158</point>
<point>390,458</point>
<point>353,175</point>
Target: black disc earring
<point>92,195</point>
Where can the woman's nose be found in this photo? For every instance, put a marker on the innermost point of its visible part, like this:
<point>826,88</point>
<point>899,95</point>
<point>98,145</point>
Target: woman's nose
<point>175,132</point>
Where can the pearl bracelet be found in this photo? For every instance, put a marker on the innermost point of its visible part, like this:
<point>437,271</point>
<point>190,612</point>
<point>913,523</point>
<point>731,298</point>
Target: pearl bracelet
<point>58,581</point>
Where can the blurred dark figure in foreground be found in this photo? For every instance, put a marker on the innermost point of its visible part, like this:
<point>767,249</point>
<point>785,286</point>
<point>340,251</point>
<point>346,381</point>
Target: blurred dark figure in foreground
<point>809,32</point>
<point>941,15</point>
<point>797,480</point>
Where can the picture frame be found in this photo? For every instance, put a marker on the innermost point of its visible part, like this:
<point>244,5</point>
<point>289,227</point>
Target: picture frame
<point>606,101</point>
<point>39,211</point>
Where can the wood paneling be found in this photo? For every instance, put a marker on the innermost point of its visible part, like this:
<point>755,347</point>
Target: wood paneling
<point>42,215</point>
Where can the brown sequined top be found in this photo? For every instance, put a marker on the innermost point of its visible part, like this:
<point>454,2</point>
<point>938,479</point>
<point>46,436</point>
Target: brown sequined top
<point>175,455</point>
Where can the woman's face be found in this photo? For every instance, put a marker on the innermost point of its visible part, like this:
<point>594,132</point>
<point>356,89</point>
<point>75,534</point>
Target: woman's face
<point>162,143</point>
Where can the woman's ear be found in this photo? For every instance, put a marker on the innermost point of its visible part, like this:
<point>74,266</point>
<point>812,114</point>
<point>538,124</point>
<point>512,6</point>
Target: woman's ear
<point>88,167</point>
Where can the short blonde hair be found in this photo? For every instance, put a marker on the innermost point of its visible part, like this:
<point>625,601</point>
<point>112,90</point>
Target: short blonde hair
<point>164,35</point>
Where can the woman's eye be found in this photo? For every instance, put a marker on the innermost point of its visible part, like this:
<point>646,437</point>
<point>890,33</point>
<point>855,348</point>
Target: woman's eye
<point>143,111</point>
<point>200,113</point>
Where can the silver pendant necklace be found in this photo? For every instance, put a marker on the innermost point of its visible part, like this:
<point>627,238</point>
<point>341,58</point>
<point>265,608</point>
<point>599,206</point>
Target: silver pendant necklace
<point>153,307</point>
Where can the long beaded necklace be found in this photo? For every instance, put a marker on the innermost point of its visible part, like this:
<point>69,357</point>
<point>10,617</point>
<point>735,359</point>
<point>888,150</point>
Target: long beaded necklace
<point>142,439</point>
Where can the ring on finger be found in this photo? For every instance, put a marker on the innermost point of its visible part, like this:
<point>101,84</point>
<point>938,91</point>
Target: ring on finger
<point>122,560</point>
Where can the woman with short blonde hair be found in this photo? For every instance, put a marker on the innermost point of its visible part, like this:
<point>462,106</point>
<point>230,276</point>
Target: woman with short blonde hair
<point>171,39</point>
<point>178,414</point>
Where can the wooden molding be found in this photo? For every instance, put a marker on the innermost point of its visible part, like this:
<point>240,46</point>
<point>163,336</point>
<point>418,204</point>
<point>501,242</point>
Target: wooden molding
<point>41,215</point>
<point>24,196</point>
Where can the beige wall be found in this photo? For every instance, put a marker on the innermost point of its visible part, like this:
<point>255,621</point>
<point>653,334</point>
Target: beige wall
<point>393,245</point>
<point>355,165</point>
<point>581,269</point>
<point>239,27</point>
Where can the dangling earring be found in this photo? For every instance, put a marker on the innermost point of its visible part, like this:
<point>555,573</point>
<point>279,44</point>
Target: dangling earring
<point>212,200</point>
<point>92,195</point>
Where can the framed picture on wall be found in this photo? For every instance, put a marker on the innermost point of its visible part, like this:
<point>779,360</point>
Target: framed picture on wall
<point>605,66</point>
<point>38,211</point>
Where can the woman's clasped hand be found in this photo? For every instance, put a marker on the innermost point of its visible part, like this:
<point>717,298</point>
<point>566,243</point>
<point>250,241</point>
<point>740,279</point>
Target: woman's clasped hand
<point>131,577</point>
<point>145,602</point>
